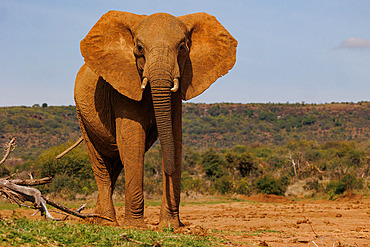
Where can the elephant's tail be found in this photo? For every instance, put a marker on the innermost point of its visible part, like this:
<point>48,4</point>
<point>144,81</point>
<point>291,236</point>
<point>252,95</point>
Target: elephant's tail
<point>70,148</point>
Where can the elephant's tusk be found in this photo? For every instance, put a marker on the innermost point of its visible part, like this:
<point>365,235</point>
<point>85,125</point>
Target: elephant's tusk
<point>175,85</point>
<point>143,84</point>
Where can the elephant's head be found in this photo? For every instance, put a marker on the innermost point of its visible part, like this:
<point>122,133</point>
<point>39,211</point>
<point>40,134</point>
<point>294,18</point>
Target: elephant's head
<point>185,54</point>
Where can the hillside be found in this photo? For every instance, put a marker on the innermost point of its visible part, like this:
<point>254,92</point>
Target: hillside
<point>225,125</point>
<point>222,125</point>
<point>38,128</point>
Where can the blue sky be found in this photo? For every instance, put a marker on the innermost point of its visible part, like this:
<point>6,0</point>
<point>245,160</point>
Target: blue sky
<point>288,51</point>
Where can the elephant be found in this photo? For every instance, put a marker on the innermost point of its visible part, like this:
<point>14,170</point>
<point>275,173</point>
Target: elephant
<point>129,92</point>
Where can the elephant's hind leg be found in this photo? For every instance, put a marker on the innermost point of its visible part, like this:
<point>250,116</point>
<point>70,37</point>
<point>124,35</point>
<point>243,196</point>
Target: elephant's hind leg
<point>106,172</point>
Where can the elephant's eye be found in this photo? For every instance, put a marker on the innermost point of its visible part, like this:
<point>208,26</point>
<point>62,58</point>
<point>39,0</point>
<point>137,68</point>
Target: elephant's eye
<point>183,48</point>
<point>140,48</point>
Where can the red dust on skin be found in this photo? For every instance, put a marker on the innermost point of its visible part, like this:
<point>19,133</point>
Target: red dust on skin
<point>266,219</point>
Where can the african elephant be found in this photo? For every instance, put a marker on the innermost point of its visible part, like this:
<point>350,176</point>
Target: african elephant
<point>129,92</point>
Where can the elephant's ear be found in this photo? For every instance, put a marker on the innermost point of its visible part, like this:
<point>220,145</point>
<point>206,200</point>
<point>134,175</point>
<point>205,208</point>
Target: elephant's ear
<point>108,51</point>
<point>212,53</point>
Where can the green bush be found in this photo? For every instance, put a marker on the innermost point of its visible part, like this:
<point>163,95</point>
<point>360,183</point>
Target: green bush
<point>347,183</point>
<point>270,185</point>
<point>224,185</point>
<point>335,187</point>
<point>72,174</point>
<point>213,164</point>
<point>75,163</point>
<point>242,186</point>
<point>313,185</point>
<point>188,183</point>
<point>191,160</point>
<point>244,162</point>
<point>4,171</point>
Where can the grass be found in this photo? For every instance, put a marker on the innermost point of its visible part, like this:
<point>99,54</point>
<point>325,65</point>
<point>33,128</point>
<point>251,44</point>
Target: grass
<point>17,231</point>
<point>21,231</point>
<point>6,205</point>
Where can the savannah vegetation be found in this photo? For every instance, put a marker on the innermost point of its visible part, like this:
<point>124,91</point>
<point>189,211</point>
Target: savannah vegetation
<point>17,231</point>
<point>228,149</point>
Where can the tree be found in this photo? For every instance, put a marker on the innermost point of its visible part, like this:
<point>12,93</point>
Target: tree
<point>213,164</point>
<point>191,160</point>
<point>243,162</point>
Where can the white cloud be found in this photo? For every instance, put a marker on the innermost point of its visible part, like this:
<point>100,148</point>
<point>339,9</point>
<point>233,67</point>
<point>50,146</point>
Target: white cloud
<point>354,43</point>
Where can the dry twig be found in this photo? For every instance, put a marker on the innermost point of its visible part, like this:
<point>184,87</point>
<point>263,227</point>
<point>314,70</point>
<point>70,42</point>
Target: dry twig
<point>75,212</point>
<point>8,148</point>
<point>70,148</point>
<point>156,244</point>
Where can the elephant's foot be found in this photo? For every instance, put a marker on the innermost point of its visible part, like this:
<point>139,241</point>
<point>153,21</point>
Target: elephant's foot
<point>106,221</point>
<point>170,221</point>
<point>135,223</point>
<point>109,217</point>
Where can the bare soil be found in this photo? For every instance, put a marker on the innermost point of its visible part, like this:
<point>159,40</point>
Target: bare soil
<point>267,220</point>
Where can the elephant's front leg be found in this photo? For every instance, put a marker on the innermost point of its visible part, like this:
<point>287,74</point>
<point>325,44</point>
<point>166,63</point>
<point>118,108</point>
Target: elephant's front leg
<point>131,146</point>
<point>169,215</point>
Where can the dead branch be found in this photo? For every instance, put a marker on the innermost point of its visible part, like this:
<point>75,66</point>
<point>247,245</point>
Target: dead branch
<point>31,182</point>
<point>27,194</point>
<point>19,194</point>
<point>70,148</point>
<point>8,148</point>
<point>14,198</point>
<point>310,223</point>
<point>10,176</point>
<point>319,170</point>
<point>74,212</point>
<point>293,163</point>
<point>17,191</point>
<point>79,209</point>
<point>156,243</point>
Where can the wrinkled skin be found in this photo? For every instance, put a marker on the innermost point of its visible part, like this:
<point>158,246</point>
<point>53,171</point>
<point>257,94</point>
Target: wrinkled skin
<point>129,92</point>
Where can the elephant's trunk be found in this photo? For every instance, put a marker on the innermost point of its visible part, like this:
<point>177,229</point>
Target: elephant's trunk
<point>160,70</point>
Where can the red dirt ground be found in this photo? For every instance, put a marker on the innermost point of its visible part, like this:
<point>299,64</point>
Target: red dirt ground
<point>267,220</point>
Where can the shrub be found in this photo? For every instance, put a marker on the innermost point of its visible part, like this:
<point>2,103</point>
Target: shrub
<point>313,185</point>
<point>242,186</point>
<point>189,183</point>
<point>267,115</point>
<point>270,185</point>
<point>4,171</point>
<point>224,185</point>
<point>213,164</point>
<point>191,160</point>
<point>244,162</point>
<point>309,120</point>
<point>346,184</point>
<point>71,174</point>
<point>335,187</point>
<point>75,163</point>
